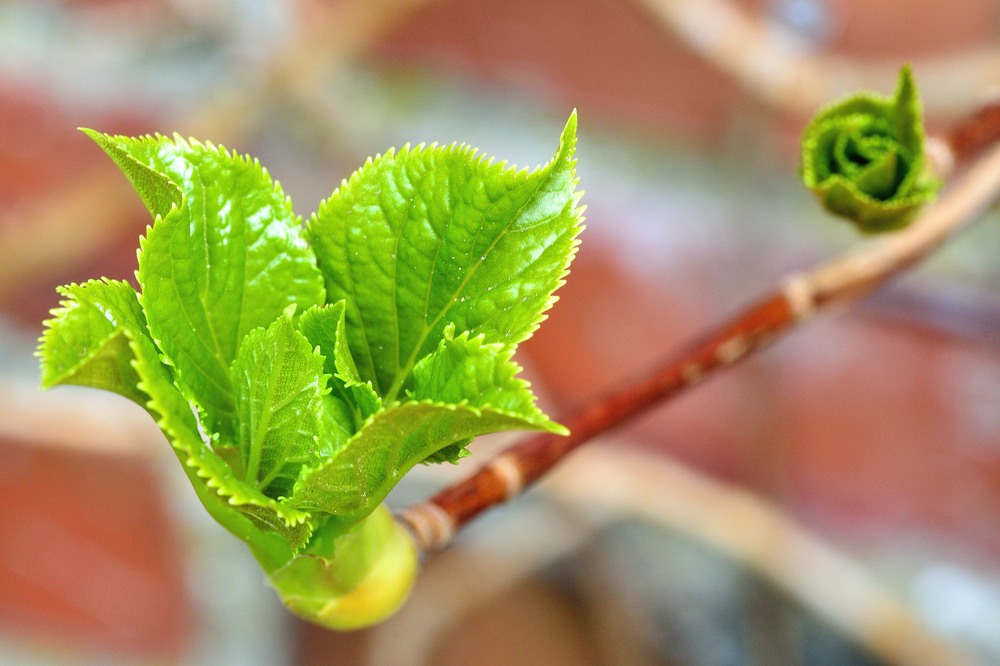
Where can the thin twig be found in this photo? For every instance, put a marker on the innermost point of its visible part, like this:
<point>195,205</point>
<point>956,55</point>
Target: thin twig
<point>838,281</point>
<point>780,67</point>
<point>607,482</point>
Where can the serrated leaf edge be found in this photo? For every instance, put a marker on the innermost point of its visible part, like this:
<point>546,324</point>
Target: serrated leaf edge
<point>566,151</point>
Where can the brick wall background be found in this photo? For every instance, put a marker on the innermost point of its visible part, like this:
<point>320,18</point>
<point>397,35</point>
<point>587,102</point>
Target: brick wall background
<point>877,428</point>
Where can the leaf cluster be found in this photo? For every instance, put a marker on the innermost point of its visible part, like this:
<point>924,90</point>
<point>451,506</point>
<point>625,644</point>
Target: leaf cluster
<point>300,370</point>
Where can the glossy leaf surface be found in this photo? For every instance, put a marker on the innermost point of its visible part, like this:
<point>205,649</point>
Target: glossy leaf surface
<point>209,268</point>
<point>297,382</point>
<point>430,236</point>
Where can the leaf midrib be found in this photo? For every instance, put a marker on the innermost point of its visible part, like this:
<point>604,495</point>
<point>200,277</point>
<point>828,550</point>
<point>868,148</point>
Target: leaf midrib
<point>403,373</point>
<point>261,428</point>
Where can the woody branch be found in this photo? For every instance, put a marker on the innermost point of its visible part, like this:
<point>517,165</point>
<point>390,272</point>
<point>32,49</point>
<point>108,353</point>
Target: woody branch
<point>800,296</point>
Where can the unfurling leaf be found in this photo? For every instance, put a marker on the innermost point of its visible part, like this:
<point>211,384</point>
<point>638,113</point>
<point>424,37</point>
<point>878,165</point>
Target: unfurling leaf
<point>864,158</point>
<point>469,371</point>
<point>280,386</point>
<point>325,328</point>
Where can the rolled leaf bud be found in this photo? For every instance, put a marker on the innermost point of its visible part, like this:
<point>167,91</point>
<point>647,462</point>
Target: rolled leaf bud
<point>864,158</point>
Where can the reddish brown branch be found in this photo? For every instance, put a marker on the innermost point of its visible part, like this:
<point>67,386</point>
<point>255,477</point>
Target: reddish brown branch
<point>534,457</point>
<point>523,464</point>
<point>843,279</point>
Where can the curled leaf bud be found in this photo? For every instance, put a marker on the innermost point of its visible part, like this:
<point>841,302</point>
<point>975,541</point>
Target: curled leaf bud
<point>864,158</point>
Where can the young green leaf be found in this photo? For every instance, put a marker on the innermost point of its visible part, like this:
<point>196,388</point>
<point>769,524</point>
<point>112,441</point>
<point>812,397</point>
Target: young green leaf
<point>209,267</point>
<point>429,236</point>
<point>279,385</point>
<point>400,436</point>
<point>864,158</point>
<point>467,387</point>
<point>212,478</point>
<point>469,371</point>
<point>123,331</point>
<point>325,328</point>
<point>156,189</point>
<point>85,343</point>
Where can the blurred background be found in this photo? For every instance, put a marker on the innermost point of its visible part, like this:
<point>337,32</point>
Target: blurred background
<point>834,500</point>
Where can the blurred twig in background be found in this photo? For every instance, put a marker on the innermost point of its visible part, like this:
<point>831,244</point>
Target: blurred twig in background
<point>328,37</point>
<point>608,482</point>
<point>788,73</point>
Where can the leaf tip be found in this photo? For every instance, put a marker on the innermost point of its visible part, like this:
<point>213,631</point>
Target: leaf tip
<point>93,134</point>
<point>906,87</point>
<point>557,428</point>
<point>568,137</point>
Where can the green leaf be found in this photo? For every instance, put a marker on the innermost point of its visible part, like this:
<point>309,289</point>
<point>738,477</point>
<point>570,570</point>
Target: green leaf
<point>864,158</point>
<point>86,343</point>
<point>209,268</point>
<point>361,475</point>
<point>80,330</point>
<point>325,328</point>
<point>429,236</point>
<point>337,423</point>
<point>230,500</point>
<point>157,191</point>
<point>237,505</point>
<point>469,371</point>
<point>279,384</point>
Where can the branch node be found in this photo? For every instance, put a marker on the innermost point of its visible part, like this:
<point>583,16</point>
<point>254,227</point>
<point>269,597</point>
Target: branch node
<point>798,292</point>
<point>431,526</point>
<point>506,468</point>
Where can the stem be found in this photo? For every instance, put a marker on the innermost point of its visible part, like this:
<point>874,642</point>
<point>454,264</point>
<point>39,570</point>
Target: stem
<point>839,281</point>
<point>351,580</point>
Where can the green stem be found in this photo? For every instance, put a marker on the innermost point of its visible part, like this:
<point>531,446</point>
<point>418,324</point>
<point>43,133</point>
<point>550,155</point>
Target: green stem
<point>356,579</point>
